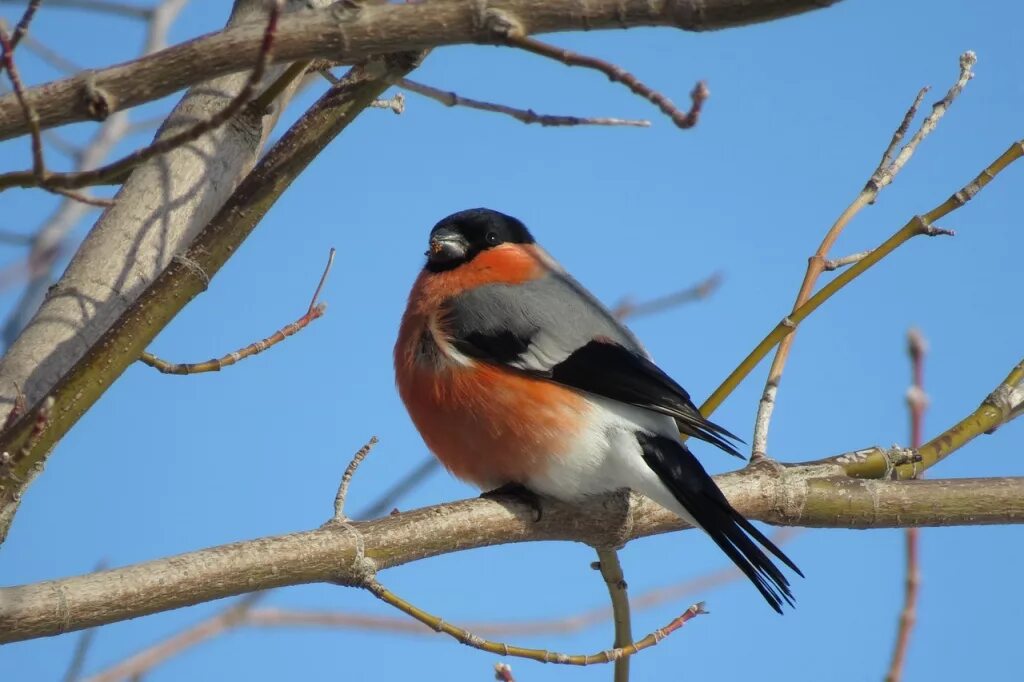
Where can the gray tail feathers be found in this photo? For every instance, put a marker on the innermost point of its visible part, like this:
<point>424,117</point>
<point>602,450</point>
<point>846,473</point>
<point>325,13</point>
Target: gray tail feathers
<point>694,489</point>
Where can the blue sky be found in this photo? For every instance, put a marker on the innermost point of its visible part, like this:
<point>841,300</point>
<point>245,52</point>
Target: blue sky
<point>799,114</point>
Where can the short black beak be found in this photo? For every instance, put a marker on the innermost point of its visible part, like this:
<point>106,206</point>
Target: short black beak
<point>447,246</point>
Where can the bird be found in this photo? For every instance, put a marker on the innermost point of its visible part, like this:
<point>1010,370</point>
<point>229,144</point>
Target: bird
<point>517,377</point>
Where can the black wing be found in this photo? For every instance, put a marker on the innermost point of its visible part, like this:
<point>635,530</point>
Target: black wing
<point>554,329</point>
<point>615,372</point>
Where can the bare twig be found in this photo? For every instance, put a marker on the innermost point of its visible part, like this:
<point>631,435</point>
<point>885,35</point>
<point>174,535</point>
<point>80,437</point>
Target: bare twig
<point>313,312</point>
<point>52,240</point>
<point>122,8</point>
<point>616,74</point>
<point>384,28</point>
<point>8,44</point>
<point>452,99</point>
<point>144,661</point>
<point>611,570</point>
<point>40,177</point>
<point>917,403</point>
<point>697,292</point>
<point>51,56</point>
<point>346,479</point>
<point>542,655</point>
<point>185,277</point>
<point>79,655</point>
<point>919,225</point>
<point>26,18</point>
<point>891,164</point>
<point>269,617</point>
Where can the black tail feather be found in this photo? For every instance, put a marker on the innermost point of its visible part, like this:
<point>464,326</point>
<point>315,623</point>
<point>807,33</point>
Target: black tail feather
<point>690,484</point>
<point>692,423</point>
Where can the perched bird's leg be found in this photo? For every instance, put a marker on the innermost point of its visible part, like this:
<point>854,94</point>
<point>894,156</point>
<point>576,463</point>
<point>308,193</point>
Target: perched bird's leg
<point>521,493</point>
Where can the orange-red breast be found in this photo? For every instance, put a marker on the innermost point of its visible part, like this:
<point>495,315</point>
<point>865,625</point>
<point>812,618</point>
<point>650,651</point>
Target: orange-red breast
<point>515,374</point>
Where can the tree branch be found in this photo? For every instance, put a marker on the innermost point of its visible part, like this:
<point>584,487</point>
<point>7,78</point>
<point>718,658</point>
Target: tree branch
<point>452,99</point>
<point>314,312</point>
<point>917,403</point>
<point>347,34</point>
<point>781,495</point>
<point>136,239</point>
<point>918,225</point>
<point>617,654</point>
<point>148,658</point>
<point>39,176</point>
<point>891,164</point>
<point>611,571</point>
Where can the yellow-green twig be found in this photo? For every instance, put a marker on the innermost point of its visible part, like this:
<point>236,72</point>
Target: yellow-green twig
<point>314,311</point>
<point>917,225</point>
<point>891,164</point>
<point>542,655</point>
<point>611,570</point>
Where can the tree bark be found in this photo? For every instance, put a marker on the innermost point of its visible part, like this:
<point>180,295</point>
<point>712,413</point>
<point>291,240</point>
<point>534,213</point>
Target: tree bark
<point>347,34</point>
<point>779,495</point>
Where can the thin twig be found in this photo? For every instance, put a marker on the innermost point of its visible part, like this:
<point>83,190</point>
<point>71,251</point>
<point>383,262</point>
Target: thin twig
<point>783,334</point>
<point>452,99</point>
<point>542,655</point>
<point>269,617</point>
<point>39,177</point>
<point>313,312</point>
<point>697,292</point>
<point>122,8</point>
<point>917,403</point>
<point>611,570</point>
<point>8,44</point>
<point>616,74</point>
<point>52,57</point>
<point>144,661</point>
<point>346,479</point>
<point>22,28</point>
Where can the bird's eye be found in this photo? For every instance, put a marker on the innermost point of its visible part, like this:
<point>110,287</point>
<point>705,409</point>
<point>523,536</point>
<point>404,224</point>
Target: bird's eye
<point>492,238</point>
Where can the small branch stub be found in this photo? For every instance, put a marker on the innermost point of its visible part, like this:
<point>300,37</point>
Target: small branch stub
<point>346,480</point>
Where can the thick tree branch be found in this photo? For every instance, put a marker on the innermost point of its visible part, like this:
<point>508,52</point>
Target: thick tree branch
<point>39,176</point>
<point>346,34</point>
<point>780,495</point>
<point>269,617</point>
<point>138,238</point>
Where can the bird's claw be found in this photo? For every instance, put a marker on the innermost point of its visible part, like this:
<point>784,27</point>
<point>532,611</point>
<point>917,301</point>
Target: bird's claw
<point>520,492</point>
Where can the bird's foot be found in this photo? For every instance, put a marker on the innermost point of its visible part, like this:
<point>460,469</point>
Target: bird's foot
<point>520,492</point>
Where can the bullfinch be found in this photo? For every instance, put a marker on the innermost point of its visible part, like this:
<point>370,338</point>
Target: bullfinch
<point>515,375</point>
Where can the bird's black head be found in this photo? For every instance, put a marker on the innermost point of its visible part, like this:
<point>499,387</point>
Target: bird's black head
<point>458,238</point>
